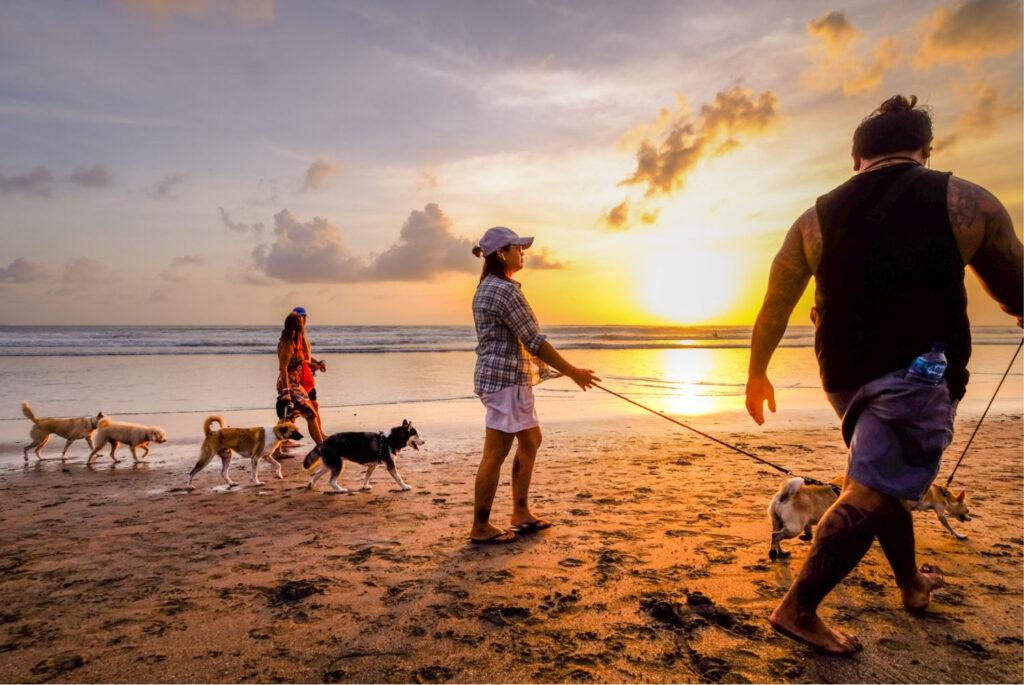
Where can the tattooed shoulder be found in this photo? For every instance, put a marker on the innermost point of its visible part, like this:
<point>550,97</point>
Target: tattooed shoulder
<point>810,232</point>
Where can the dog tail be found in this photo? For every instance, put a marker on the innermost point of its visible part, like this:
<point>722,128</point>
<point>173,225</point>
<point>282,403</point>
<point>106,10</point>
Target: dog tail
<point>312,459</point>
<point>27,411</point>
<point>790,488</point>
<point>209,421</point>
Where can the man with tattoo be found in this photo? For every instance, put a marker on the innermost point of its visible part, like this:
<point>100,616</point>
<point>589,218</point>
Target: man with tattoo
<point>887,250</point>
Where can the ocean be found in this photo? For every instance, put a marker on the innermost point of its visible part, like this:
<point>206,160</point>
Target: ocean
<point>682,370</point>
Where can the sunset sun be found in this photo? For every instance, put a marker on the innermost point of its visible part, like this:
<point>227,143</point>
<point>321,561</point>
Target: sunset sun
<point>689,286</point>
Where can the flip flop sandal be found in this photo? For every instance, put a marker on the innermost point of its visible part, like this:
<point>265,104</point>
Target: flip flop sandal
<point>531,527</point>
<point>496,539</point>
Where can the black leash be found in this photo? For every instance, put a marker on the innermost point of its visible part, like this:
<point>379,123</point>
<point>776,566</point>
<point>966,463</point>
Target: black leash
<point>950,479</point>
<point>809,481</point>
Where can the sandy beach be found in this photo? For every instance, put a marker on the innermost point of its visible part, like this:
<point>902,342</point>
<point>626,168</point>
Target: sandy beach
<point>656,569</point>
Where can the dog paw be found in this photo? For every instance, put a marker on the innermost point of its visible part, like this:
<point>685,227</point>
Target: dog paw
<point>406,488</point>
<point>258,483</point>
<point>232,485</point>
<point>340,491</point>
<point>366,487</point>
<point>960,536</point>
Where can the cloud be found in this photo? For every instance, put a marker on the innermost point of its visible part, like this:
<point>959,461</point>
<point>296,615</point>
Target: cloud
<point>664,166</point>
<point>888,53</point>
<point>971,30</point>
<point>238,227</point>
<point>166,185</point>
<point>988,107</point>
<point>315,252</point>
<point>318,172</point>
<point>617,218</point>
<point>425,246</point>
<point>22,271</point>
<point>96,176</point>
<point>542,259</point>
<point>835,32</point>
<point>310,252</point>
<point>172,273</point>
<point>86,270</point>
<point>36,183</point>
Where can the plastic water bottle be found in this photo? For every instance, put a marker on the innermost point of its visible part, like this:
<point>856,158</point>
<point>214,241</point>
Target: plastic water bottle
<point>930,366</point>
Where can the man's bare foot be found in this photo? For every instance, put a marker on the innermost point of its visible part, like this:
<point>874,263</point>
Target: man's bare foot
<point>917,596</point>
<point>811,631</point>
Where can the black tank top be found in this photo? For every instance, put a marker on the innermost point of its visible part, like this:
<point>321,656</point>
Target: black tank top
<point>886,289</point>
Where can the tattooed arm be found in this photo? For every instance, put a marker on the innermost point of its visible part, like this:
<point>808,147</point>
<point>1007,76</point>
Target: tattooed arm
<point>988,243</point>
<point>787,281</point>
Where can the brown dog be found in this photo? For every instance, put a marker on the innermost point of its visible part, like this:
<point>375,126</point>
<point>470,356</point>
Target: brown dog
<point>70,429</point>
<point>255,443</point>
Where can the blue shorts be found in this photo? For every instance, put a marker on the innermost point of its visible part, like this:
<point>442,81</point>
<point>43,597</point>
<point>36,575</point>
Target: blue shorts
<point>896,428</point>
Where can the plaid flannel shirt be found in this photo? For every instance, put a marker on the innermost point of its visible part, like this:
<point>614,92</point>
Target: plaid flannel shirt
<point>508,337</point>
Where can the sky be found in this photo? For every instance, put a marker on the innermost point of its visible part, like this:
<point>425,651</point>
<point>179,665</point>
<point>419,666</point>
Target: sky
<point>221,161</point>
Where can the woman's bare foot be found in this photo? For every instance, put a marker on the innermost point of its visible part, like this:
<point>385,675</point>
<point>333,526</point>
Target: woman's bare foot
<point>490,533</point>
<point>811,631</point>
<point>917,595</point>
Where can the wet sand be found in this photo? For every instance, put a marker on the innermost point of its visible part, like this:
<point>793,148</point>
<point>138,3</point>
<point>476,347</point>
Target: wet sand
<point>656,570</point>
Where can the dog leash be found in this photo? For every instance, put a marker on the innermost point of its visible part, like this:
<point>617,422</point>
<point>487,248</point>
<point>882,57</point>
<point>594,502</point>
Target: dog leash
<point>809,481</point>
<point>950,479</point>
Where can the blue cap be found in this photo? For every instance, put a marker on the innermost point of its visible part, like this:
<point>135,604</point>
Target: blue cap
<point>301,311</point>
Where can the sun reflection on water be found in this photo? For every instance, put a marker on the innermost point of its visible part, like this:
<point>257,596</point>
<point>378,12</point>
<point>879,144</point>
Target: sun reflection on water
<point>689,380</point>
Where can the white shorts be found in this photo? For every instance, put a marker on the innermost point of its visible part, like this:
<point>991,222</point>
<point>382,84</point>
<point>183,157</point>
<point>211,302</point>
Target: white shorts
<point>511,409</point>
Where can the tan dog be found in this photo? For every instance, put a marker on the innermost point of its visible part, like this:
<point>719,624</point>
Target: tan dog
<point>70,429</point>
<point>255,443</point>
<point>794,509</point>
<point>797,506</point>
<point>131,434</point>
<point>942,502</point>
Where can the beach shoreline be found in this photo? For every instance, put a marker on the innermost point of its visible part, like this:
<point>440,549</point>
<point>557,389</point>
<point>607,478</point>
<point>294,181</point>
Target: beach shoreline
<point>656,569</point>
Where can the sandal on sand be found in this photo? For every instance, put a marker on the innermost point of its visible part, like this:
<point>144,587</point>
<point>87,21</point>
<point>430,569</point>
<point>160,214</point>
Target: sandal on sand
<point>793,636</point>
<point>496,539</point>
<point>531,527</point>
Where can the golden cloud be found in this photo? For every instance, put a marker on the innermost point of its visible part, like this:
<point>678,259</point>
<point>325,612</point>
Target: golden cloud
<point>664,166</point>
<point>835,31</point>
<point>971,30</point>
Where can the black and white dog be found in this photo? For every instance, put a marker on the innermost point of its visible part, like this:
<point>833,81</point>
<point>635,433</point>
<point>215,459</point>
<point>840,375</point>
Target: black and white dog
<point>368,449</point>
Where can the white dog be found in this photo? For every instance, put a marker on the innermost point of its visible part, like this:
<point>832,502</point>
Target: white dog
<point>130,434</point>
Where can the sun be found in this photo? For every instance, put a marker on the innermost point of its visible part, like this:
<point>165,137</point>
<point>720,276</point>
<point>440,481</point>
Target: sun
<point>689,286</point>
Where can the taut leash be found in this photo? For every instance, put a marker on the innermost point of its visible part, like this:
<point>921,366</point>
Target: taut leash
<point>809,481</point>
<point>950,479</point>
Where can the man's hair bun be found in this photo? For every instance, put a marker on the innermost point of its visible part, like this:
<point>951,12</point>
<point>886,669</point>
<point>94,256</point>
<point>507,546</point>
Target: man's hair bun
<point>897,104</point>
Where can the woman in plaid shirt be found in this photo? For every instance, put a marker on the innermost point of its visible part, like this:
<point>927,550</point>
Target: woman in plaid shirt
<point>512,355</point>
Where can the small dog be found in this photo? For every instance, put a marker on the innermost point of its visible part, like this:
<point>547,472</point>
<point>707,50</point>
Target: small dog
<point>798,506</point>
<point>70,429</point>
<point>255,443</point>
<point>794,509</point>
<point>942,502</point>
<point>367,449</point>
<point>131,434</point>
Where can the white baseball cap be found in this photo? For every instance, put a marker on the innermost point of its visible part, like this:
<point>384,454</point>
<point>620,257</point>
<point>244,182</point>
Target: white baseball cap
<point>498,237</point>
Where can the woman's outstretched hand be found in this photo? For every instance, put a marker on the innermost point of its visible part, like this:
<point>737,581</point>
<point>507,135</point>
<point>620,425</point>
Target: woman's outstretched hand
<point>584,378</point>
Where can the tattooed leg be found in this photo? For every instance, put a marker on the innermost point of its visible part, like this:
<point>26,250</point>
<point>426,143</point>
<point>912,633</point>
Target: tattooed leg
<point>522,473</point>
<point>496,447</point>
<point>844,535</point>
<point>897,540</point>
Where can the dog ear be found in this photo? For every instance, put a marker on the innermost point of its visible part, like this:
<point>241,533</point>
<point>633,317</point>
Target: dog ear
<point>405,423</point>
<point>960,497</point>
